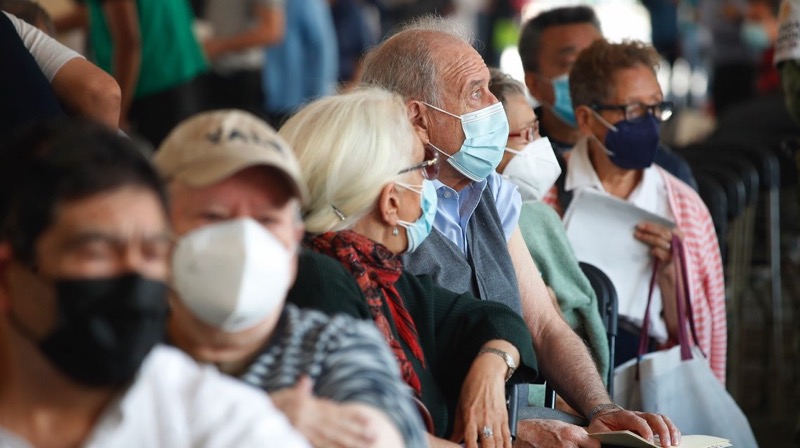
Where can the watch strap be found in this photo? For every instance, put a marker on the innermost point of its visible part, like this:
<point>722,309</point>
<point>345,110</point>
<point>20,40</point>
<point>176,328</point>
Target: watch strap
<point>506,357</point>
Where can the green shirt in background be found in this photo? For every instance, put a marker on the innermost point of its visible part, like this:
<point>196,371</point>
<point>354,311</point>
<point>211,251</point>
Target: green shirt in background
<point>547,242</point>
<point>171,54</point>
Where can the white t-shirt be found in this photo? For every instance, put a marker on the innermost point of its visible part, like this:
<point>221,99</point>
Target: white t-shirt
<point>176,403</point>
<point>49,54</point>
<point>651,195</point>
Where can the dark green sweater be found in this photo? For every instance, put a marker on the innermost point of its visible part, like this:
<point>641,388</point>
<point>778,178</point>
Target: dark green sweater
<point>452,328</point>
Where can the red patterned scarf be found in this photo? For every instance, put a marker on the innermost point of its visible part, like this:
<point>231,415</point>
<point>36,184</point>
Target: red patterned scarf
<point>376,270</point>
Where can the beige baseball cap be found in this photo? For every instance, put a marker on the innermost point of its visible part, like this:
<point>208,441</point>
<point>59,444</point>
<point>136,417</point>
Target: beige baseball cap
<point>212,146</point>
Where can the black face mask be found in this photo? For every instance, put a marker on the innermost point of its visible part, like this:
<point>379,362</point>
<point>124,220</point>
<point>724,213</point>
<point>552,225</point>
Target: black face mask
<point>105,328</point>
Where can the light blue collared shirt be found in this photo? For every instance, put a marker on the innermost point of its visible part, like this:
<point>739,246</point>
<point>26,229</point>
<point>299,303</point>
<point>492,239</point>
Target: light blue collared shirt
<point>455,208</point>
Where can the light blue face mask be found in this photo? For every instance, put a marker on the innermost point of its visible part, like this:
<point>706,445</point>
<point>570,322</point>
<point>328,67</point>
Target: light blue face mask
<point>418,230</point>
<point>563,106</point>
<point>486,132</point>
<point>755,36</point>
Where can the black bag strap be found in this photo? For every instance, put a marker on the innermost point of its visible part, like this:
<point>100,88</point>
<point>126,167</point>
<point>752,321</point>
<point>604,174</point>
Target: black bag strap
<point>564,196</point>
<point>683,298</point>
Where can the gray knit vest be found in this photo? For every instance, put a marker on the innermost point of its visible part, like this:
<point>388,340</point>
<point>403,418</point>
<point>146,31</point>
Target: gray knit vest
<point>487,271</point>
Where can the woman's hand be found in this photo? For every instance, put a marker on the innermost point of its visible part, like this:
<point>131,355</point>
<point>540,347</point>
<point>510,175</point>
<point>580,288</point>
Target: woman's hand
<point>659,238</point>
<point>481,413</point>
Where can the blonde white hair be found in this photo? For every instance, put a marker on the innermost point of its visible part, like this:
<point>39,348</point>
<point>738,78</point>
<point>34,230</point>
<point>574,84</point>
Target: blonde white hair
<point>349,147</point>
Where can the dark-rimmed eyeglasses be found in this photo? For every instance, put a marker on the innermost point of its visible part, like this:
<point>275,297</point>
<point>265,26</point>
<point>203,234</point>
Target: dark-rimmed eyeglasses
<point>429,166</point>
<point>634,111</point>
<point>527,134</point>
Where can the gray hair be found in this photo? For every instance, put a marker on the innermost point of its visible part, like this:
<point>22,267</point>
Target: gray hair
<point>405,62</point>
<point>503,86</point>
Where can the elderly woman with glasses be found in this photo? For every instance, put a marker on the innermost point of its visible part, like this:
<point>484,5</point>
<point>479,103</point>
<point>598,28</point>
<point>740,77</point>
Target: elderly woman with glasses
<point>530,164</point>
<point>619,107</point>
<point>371,200</point>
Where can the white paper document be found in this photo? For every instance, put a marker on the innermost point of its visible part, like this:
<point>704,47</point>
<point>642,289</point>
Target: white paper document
<point>600,228</point>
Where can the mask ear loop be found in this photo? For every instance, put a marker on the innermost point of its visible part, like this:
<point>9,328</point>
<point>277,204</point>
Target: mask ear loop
<point>442,110</point>
<point>439,150</point>
<point>608,125</point>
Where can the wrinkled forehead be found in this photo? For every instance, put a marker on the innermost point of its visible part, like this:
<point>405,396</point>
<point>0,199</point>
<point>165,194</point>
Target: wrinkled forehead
<point>460,68</point>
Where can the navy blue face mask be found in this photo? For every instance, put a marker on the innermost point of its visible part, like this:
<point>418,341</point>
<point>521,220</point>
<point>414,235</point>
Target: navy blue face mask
<point>631,145</point>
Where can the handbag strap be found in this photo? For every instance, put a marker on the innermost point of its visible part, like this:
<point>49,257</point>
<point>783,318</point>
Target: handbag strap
<point>681,249</point>
<point>682,296</point>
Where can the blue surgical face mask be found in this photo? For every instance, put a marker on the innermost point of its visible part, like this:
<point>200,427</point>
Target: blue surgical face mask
<point>563,105</point>
<point>418,230</point>
<point>631,145</point>
<point>486,132</point>
<point>755,36</point>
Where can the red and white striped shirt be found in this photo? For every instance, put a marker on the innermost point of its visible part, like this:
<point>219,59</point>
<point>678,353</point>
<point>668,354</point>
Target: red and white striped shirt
<point>704,263</point>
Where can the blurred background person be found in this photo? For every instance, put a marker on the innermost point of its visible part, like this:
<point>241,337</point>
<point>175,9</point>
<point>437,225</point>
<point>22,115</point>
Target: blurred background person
<point>304,65</point>
<point>36,67</point>
<point>354,38</point>
<point>150,48</point>
<point>240,31</point>
<point>760,32</point>
<point>30,12</point>
<point>733,62</point>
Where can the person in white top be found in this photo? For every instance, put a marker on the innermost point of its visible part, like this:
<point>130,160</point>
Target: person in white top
<point>82,88</point>
<point>83,263</point>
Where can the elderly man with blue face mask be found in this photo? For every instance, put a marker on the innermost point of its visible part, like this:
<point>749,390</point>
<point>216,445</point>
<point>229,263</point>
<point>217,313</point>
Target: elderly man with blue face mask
<point>476,244</point>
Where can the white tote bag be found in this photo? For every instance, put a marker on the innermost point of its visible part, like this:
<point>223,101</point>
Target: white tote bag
<point>679,382</point>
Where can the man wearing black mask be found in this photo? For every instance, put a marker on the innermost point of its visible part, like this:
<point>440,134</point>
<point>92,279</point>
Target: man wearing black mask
<point>84,243</point>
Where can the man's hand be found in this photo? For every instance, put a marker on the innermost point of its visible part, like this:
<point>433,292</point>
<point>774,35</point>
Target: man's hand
<point>536,433</point>
<point>482,404</point>
<point>323,422</point>
<point>642,423</point>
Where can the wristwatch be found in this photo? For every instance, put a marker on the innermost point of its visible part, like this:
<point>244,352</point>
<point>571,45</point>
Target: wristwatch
<point>512,366</point>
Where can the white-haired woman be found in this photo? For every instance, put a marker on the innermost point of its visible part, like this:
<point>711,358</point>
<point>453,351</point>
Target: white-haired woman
<point>369,203</point>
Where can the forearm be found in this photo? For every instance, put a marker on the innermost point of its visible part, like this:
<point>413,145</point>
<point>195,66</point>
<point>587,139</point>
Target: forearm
<point>379,424</point>
<point>435,442</point>
<point>88,91</point>
<point>243,41</point>
<point>268,30</point>
<point>123,23</point>
<point>562,355</point>
<point>569,368</point>
<point>127,61</point>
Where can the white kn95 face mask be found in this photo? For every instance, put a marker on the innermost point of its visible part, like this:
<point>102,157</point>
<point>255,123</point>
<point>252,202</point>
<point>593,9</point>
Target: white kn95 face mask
<point>231,275</point>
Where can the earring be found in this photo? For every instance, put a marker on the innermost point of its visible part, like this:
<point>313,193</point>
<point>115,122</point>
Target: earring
<point>394,231</point>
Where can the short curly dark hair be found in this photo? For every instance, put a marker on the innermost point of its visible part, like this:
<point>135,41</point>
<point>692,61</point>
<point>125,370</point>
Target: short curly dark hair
<point>591,79</point>
<point>51,163</point>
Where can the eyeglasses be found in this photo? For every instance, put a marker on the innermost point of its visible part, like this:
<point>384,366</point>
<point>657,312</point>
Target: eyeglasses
<point>527,134</point>
<point>429,166</point>
<point>633,111</point>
